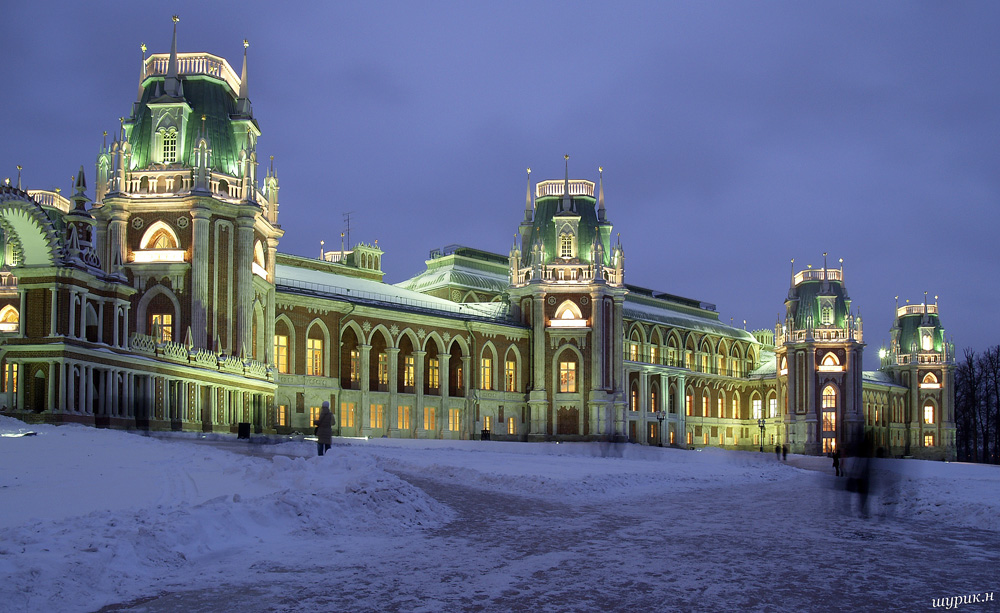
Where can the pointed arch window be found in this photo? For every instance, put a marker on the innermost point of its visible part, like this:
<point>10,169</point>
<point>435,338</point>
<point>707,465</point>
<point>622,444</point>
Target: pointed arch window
<point>159,244</point>
<point>930,381</point>
<point>568,315</point>
<point>168,146</point>
<point>9,319</point>
<point>927,342</point>
<point>830,363</point>
<point>826,315</point>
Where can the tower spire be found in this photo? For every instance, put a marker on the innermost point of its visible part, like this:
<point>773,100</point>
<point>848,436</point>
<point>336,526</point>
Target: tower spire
<point>172,83</point>
<point>142,70</point>
<point>566,199</point>
<point>601,212</point>
<point>18,176</point>
<point>791,278</point>
<point>527,200</point>
<point>243,102</point>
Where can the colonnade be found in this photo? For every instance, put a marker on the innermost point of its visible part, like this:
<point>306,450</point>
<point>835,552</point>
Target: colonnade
<point>83,388</point>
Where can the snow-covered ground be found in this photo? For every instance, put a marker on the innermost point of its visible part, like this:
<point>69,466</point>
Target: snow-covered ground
<point>95,518</point>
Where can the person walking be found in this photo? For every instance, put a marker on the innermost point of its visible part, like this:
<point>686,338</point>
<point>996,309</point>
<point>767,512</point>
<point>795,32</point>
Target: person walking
<point>324,429</point>
<point>836,463</point>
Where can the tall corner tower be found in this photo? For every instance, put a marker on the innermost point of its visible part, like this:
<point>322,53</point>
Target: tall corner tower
<point>180,211</point>
<point>567,283</point>
<point>922,361</point>
<point>819,353</point>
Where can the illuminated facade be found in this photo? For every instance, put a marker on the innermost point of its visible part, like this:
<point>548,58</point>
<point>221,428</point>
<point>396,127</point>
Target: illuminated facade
<point>165,304</point>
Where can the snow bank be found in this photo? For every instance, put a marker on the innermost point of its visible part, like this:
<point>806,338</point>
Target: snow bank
<point>95,516</point>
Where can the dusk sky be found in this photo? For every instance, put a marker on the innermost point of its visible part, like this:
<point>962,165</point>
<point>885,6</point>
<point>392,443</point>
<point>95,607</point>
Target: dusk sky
<point>734,136</point>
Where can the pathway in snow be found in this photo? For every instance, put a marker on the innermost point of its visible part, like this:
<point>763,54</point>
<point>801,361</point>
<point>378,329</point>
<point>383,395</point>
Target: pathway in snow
<point>786,545</point>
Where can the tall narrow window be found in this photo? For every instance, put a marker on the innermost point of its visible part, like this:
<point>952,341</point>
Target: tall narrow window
<point>433,373</point>
<point>282,415</point>
<point>403,417</point>
<point>488,423</point>
<point>511,426</point>
<point>355,360</point>
<point>453,420</point>
<point>281,352</point>
<point>314,356</point>
<point>383,369</point>
<point>654,354</point>
<point>829,421</point>
<point>376,415</point>
<point>928,440</point>
<point>826,315</point>
<point>429,418</point>
<point>510,376</point>
<point>722,405</point>
<point>313,415</point>
<point>704,405</point>
<point>567,376</point>
<point>756,405</point>
<point>688,402</point>
<point>161,327</point>
<point>772,407</point>
<point>486,373</point>
<point>10,374</point>
<point>565,245</point>
<point>408,371</point>
<point>928,413</point>
<point>169,147</point>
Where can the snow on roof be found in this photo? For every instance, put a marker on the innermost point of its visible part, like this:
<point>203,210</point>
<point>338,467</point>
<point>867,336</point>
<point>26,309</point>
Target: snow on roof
<point>353,289</point>
<point>876,376</point>
<point>768,365</point>
<point>643,311</point>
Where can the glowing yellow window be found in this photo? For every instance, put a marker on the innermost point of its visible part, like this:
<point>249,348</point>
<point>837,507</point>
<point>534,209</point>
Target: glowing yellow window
<point>161,327</point>
<point>453,419</point>
<point>429,421</point>
<point>433,373</point>
<point>403,417</point>
<point>281,352</point>
<point>928,413</point>
<point>383,369</point>
<point>347,414</point>
<point>314,356</point>
<point>408,371</point>
<point>567,376</point>
<point>376,416</point>
<point>510,376</point>
<point>486,373</point>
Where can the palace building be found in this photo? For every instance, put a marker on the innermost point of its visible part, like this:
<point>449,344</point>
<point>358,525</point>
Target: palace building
<point>164,303</point>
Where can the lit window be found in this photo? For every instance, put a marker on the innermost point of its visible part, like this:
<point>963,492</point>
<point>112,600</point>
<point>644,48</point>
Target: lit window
<point>826,315</point>
<point>704,406</point>
<point>567,376</point>
<point>162,239</point>
<point>355,360</point>
<point>282,414</point>
<point>429,420</point>
<point>453,420</point>
<point>383,369</point>
<point>565,245</point>
<point>161,327</point>
<point>736,408</point>
<point>433,373</point>
<point>511,426</point>
<point>756,406</point>
<point>403,417</point>
<point>689,437</point>
<point>633,351</point>
<point>654,353</point>
<point>169,147</point>
<point>688,405</point>
<point>829,445</point>
<point>510,375</point>
<point>314,356</point>
<point>829,421</point>
<point>704,438</point>
<point>486,373</point>
<point>10,374</point>
<point>928,413</point>
<point>408,371</point>
<point>829,397</point>
<point>722,405</point>
<point>634,403</point>
<point>927,344</point>
<point>313,415</point>
<point>928,440</point>
<point>671,437</point>
<point>347,414</point>
<point>376,415</point>
<point>772,407</point>
<point>281,352</point>
<point>488,423</point>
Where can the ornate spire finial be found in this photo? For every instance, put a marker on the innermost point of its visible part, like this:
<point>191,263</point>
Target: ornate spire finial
<point>18,177</point>
<point>143,47</point>
<point>601,212</point>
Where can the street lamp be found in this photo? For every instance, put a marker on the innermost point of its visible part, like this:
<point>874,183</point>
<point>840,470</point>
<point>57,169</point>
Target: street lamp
<point>760,424</point>
<point>660,416</point>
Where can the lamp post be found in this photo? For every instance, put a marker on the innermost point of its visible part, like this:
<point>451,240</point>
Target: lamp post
<point>760,424</point>
<point>660,416</point>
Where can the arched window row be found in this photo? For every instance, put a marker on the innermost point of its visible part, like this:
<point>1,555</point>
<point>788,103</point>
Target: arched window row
<point>706,354</point>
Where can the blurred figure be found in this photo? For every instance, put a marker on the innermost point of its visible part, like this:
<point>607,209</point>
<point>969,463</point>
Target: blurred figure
<point>777,452</point>
<point>836,464</point>
<point>859,480</point>
<point>324,429</point>
<point>784,452</point>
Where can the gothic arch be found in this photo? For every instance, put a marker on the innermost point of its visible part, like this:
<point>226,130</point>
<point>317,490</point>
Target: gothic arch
<point>433,344</point>
<point>488,351</point>
<point>290,329</point>
<point>568,310</point>
<point>325,357</point>
<point>259,330</point>
<point>386,336</point>
<point>579,368</point>
<point>513,355</point>
<point>154,291</point>
<point>28,228</point>
<point>154,230</point>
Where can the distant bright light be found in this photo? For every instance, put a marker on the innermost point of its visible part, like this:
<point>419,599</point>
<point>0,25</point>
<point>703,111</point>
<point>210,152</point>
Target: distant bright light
<point>882,353</point>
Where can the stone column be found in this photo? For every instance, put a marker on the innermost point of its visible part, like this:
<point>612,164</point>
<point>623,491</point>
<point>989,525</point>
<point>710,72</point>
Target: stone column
<point>200,231</point>
<point>244,285</point>
<point>418,385</point>
<point>680,396</point>
<point>54,315</point>
<point>392,419</point>
<point>54,384</point>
